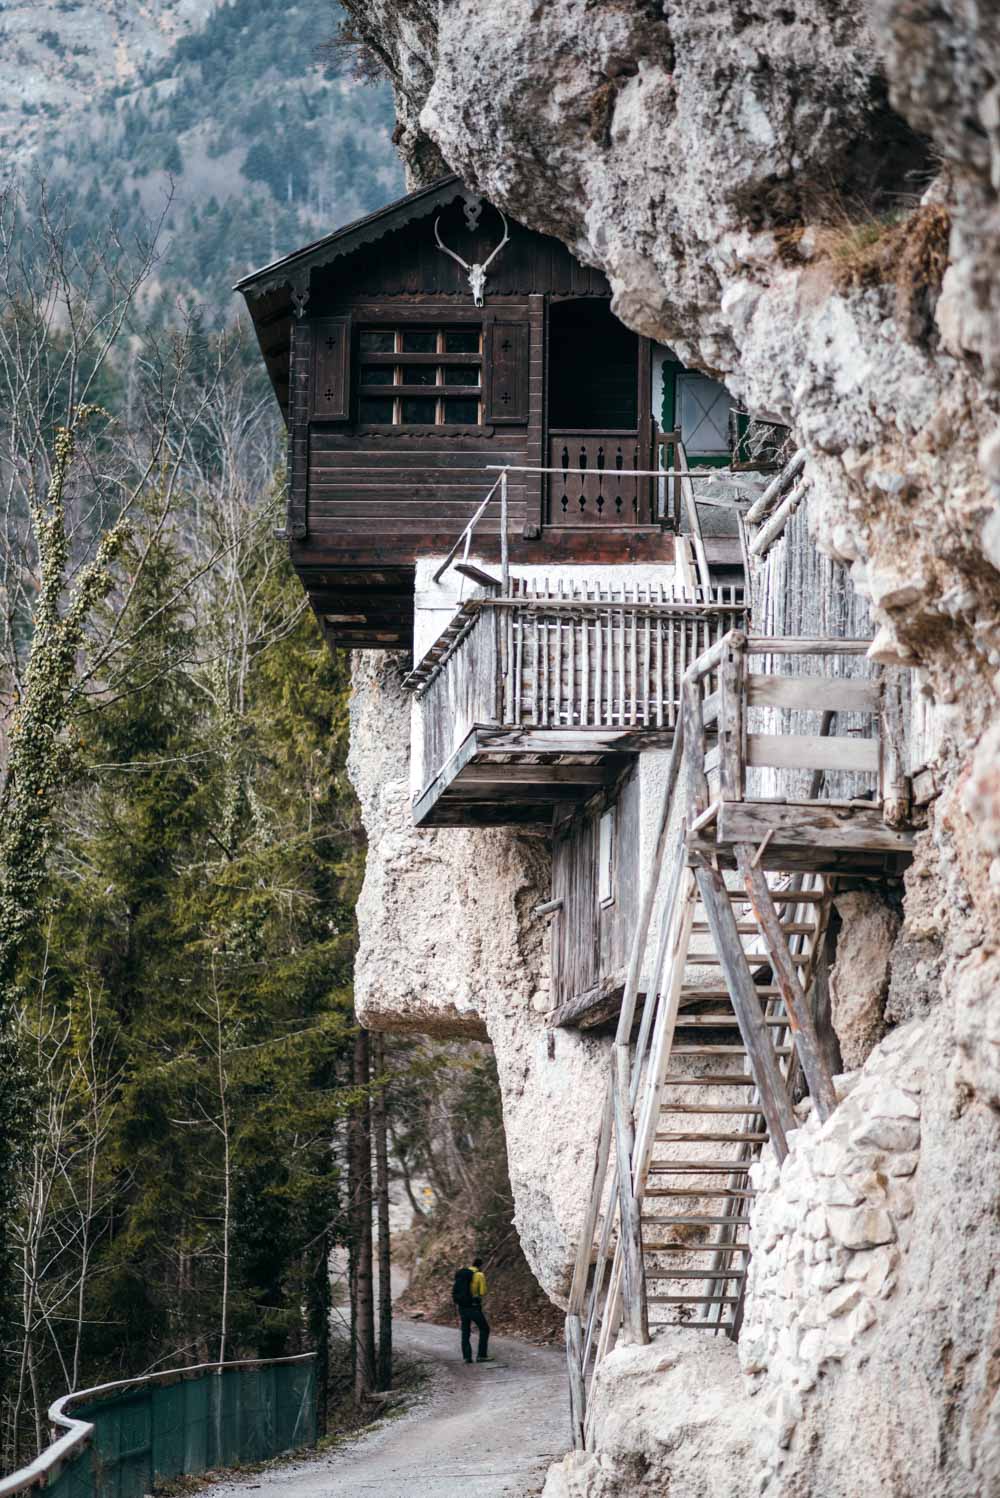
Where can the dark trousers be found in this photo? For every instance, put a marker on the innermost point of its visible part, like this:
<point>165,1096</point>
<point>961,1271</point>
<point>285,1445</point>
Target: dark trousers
<point>472,1315</point>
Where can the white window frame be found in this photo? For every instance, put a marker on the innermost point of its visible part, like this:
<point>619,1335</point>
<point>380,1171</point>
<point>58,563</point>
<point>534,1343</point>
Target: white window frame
<point>606,839</point>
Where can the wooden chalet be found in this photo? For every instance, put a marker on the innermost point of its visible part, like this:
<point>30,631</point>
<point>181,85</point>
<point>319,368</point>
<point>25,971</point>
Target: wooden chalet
<point>460,396</point>
<point>404,386</point>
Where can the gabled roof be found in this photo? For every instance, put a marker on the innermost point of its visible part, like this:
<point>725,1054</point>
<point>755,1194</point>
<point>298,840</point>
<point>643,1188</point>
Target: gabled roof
<point>293,270</point>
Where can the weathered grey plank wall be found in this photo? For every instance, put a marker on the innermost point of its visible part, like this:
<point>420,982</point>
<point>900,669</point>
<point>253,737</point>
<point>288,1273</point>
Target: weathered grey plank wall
<point>590,939</point>
<point>798,590</point>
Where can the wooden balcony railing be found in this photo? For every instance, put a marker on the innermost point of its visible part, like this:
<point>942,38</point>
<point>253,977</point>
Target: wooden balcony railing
<point>599,478</point>
<point>600,668</point>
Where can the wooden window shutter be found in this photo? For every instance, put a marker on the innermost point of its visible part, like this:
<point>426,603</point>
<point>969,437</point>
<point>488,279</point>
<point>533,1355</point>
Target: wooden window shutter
<point>331,369</point>
<point>507,349</point>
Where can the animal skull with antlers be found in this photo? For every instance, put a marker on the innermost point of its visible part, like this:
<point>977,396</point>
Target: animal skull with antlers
<point>476,273</point>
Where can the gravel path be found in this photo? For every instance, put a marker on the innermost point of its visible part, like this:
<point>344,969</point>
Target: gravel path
<point>481,1431</point>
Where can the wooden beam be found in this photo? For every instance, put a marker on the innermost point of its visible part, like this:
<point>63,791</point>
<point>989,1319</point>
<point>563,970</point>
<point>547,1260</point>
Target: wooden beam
<point>762,506</point>
<point>895,786</point>
<point>800,825</point>
<point>629,1210</point>
<point>812,693</point>
<point>577,1382</point>
<point>595,1006</point>
<point>774,1101</point>
<point>786,974</point>
<point>732,673</point>
<point>772,529</point>
<point>811,751</point>
<point>487,772</point>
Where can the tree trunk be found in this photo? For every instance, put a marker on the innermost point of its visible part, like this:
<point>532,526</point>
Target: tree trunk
<point>383,1371</point>
<point>364,1302</point>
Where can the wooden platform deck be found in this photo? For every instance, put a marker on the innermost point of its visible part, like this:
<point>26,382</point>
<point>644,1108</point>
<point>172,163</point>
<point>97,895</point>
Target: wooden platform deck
<point>534,699</point>
<point>823,837</point>
<point>511,777</point>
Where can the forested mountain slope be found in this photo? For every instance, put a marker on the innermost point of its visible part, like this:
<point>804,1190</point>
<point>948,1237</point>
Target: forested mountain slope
<point>237,120</point>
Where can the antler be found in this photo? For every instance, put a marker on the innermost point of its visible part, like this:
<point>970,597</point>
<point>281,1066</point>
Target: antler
<point>442,246</point>
<point>506,236</point>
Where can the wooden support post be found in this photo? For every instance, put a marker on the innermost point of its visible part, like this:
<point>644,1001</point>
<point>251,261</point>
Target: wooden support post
<point>629,1222</point>
<point>894,783</point>
<point>577,1382</point>
<point>786,975</point>
<point>774,1100</point>
<point>762,507</point>
<point>772,528</point>
<point>504,537</point>
<point>732,695</point>
<point>694,521</point>
<point>641,934</point>
<point>693,728</point>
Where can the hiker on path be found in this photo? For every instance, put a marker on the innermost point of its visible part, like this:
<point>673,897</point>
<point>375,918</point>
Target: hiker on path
<point>467,1293</point>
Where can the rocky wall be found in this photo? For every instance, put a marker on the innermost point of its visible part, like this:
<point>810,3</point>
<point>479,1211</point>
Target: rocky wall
<point>804,201</point>
<point>448,946</point>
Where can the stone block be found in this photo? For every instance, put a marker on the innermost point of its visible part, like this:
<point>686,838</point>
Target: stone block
<point>838,1191</point>
<point>903,1201</point>
<point>895,1135</point>
<point>753,1350</point>
<point>825,1276</point>
<point>860,1227</point>
<point>815,1224</point>
<point>903,1165</point>
<point>872,1268</point>
<point>831,1155</point>
<point>842,1299</point>
<point>893,1102</point>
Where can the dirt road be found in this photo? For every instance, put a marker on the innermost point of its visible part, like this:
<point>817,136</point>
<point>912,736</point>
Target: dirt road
<point>485,1430</point>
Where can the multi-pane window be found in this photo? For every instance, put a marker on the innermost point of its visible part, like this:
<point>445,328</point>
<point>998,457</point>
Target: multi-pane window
<point>421,376</point>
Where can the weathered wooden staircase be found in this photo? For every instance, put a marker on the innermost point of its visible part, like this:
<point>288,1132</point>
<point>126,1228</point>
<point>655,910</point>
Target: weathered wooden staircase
<point>717,1033</point>
<point>710,1125</point>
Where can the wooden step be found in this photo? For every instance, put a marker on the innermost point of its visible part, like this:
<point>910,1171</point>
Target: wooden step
<point>693,1300</point>
<point>780,896</point>
<point>691,991</point>
<point>748,1109</point>
<point>697,1192</point>
<point>721,1021</point>
<point>702,1222</point>
<point>732,1079</point>
<point>691,1248</point>
<point>684,1167</point>
<point>726,1327</point>
<point>679,1138</point>
<point>719,1050</point>
<point>696,1274</point>
<point>750,928</point>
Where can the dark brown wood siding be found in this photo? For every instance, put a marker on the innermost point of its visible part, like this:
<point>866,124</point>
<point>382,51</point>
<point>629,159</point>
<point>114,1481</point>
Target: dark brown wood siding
<point>377,496</point>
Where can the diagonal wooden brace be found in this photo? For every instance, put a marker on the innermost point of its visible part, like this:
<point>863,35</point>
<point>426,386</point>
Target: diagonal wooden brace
<point>774,1100</point>
<point>800,1022</point>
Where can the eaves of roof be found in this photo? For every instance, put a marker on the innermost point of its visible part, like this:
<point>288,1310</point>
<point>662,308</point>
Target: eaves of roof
<point>294,270</point>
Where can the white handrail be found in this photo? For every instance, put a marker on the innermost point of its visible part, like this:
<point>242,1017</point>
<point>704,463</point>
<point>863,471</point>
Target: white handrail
<point>466,532</point>
<point>625,473</point>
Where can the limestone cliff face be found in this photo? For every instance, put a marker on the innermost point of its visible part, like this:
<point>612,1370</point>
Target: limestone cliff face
<point>731,167</point>
<point>448,946</point>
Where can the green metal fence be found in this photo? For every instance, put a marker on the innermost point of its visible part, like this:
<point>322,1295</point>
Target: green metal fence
<point>118,1441</point>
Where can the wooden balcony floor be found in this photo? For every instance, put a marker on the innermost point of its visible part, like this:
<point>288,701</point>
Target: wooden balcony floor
<point>514,777</point>
<point>823,837</point>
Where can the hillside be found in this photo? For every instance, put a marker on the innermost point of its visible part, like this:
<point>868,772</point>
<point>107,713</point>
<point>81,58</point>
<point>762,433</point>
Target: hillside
<point>233,114</point>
